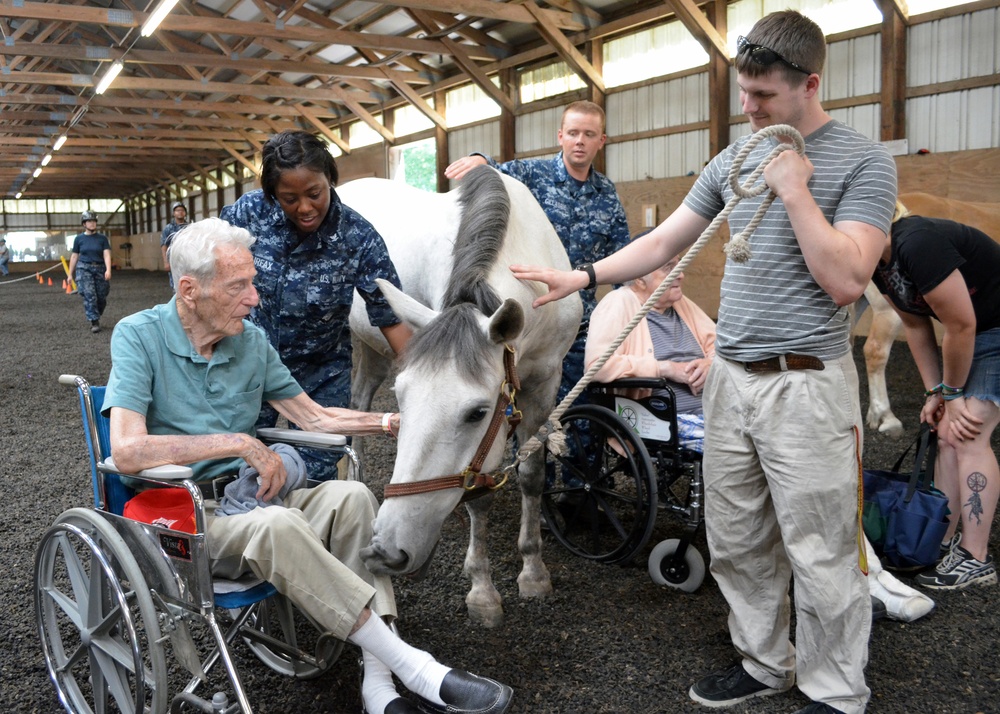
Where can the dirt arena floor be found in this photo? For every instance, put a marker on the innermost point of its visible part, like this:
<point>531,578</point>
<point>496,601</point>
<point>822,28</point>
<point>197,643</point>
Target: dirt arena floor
<point>608,640</point>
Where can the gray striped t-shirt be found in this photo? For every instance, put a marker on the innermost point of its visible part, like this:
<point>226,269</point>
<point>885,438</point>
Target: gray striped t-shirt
<point>771,304</point>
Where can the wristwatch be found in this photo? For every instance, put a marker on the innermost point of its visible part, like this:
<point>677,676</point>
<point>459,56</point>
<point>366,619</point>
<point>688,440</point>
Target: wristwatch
<point>589,270</point>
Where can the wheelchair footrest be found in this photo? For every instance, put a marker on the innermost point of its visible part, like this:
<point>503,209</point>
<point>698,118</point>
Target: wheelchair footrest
<point>232,594</point>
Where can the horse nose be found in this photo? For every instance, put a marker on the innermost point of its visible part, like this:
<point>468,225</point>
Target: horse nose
<point>379,561</point>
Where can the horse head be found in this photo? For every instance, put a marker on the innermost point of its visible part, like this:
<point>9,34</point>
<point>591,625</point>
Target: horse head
<point>447,389</point>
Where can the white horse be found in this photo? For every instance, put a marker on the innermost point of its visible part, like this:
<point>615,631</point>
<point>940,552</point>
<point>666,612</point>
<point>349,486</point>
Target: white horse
<point>452,252</point>
<point>886,325</point>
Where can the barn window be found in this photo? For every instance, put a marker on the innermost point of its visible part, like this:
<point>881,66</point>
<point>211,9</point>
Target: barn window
<point>408,119</point>
<point>360,134</point>
<point>548,81</point>
<point>469,103</point>
<point>653,52</point>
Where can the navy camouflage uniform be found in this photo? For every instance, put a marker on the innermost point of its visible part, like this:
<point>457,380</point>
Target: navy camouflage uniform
<point>590,222</point>
<point>89,273</point>
<point>167,237</point>
<point>306,290</point>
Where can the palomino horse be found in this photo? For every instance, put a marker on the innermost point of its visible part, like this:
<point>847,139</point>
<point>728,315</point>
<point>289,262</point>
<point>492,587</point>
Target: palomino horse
<point>886,325</point>
<point>473,323</point>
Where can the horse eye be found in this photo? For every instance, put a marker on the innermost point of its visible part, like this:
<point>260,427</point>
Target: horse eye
<point>477,415</point>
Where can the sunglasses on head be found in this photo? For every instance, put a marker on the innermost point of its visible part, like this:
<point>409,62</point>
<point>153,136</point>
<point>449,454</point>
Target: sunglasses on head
<point>764,56</point>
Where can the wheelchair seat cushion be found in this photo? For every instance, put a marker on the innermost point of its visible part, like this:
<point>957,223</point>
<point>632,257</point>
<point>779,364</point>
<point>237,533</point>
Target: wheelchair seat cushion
<point>167,507</point>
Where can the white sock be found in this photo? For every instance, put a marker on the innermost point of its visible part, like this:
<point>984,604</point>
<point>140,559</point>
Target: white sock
<point>377,688</point>
<point>417,670</point>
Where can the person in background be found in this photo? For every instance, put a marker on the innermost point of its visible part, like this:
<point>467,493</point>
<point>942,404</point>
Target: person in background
<point>4,257</point>
<point>178,221</point>
<point>935,269</point>
<point>783,420</point>
<point>90,265</point>
<point>187,381</point>
<point>676,340</point>
<point>581,203</point>
<point>312,253</point>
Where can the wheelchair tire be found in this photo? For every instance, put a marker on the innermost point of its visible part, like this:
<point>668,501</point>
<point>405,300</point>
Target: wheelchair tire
<point>96,619</point>
<point>277,618</point>
<point>601,503</point>
<point>686,576</point>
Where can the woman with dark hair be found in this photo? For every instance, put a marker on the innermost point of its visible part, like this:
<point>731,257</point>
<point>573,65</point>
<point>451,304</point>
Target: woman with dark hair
<point>933,268</point>
<point>312,252</point>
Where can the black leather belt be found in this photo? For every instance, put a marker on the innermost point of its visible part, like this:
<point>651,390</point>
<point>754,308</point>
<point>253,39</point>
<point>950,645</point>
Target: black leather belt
<point>784,363</point>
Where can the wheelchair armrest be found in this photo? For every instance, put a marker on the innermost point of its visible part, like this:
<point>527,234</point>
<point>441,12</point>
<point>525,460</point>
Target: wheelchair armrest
<point>294,437</point>
<point>632,383</point>
<point>167,472</point>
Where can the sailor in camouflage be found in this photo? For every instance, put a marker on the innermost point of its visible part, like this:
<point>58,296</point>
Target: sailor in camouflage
<point>90,265</point>
<point>179,212</point>
<point>581,203</point>
<point>311,253</point>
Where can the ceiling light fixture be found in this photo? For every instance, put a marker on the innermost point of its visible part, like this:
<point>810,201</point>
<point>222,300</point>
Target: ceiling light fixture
<point>59,142</point>
<point>46,159</point>
<point>17,195</point>
<point>38,172</point>
<point>109,77</point>
<point>162,10</point>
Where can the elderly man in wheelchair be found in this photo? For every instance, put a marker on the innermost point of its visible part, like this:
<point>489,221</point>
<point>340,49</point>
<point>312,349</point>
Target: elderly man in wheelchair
<point>188,379</point>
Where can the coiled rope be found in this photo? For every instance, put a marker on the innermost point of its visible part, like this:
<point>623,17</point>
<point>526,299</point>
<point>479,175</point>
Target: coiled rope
<point>738,249</point>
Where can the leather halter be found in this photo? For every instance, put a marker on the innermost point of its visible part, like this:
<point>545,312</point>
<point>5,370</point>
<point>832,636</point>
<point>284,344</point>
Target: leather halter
<point>472,480</point>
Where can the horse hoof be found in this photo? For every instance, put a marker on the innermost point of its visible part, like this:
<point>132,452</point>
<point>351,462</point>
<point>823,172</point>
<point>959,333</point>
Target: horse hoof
<point>539,588</point>
<point>486,615</point>
<point>891,427</point>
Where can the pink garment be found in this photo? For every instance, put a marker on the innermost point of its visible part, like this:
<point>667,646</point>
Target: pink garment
<point>634,357</point>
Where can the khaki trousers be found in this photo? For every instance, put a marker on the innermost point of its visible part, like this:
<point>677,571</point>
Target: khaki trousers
<point>781,498</point>
<point>308,550</point>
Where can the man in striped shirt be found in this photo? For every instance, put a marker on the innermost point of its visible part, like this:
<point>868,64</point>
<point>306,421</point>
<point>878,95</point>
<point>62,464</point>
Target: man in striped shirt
<point>782,414</point>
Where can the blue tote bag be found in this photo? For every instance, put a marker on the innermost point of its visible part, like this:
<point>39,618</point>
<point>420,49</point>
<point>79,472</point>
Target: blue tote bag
<point>905,517</point>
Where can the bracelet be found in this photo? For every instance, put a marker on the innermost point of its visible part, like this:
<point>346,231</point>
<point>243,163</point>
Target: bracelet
<point>387,424</point>
<point>936,390</point>
<point>591,275</point>
<point>950,393</point>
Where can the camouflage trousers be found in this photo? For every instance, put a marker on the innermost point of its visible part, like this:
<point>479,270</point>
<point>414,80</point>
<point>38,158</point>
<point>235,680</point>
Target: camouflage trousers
<point>93,288</point>
<point>333,391</point>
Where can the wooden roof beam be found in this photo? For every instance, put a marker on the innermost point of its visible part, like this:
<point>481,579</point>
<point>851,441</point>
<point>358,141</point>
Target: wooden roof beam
<point>564,48</point>
<point>699,26</point>
<point>477,75</point>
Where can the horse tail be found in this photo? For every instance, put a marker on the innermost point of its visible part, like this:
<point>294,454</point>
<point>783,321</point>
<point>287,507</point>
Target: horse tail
<point>485,215</point>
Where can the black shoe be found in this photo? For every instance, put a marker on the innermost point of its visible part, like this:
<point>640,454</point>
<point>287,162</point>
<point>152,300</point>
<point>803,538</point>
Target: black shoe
<point>95,325</point>
<point>818,708</point>
<point>470,693</point>
<point>729,687</point>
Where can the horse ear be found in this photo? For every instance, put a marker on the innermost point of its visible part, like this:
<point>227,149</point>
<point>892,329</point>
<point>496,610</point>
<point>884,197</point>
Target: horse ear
<point>507,322</point>
<point>407,309</point>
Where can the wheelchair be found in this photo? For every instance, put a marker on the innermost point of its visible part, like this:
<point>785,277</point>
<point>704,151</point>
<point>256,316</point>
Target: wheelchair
<point>111,592</point>
<point>623,464</point>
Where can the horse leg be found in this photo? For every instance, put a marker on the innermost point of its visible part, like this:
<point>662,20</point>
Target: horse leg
<point>534,579</point>
<point>484,601</point>
<point>884,329</point>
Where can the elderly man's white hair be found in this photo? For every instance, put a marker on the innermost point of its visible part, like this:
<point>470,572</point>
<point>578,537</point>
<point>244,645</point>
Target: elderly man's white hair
<point>192,251</point>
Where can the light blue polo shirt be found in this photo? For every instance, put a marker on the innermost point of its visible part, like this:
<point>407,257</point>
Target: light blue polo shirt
<point>157,372</point>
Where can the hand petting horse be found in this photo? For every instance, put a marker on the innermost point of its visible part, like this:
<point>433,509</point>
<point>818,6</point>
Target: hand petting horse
<point>477,346</point>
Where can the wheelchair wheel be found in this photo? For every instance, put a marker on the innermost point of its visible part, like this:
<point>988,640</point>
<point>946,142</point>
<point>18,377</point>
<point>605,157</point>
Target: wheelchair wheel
<point>686,575</point>
<point>310,653</point>
<point>600,501</point>
<point>96,619</point>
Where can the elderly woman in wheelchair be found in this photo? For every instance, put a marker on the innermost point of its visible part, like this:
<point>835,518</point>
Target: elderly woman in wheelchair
<point>188,379</point>
<point>635,448</point>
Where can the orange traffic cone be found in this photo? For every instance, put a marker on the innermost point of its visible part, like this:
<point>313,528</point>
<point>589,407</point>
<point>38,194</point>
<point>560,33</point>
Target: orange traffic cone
<point>50,282</point>
<point>39,276</point>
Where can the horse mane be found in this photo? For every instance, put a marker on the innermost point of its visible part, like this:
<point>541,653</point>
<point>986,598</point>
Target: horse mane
<point>485,215</point>
<point>455,337</point>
